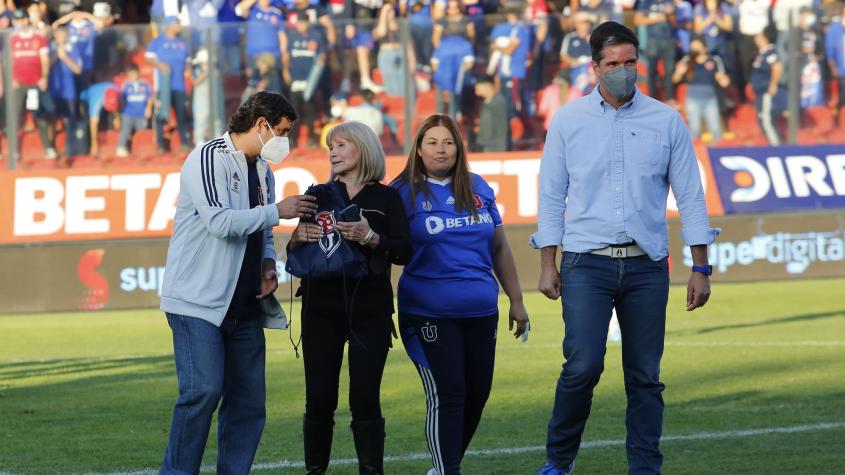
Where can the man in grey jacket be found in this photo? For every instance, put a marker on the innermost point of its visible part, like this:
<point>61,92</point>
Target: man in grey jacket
<point>220,273</point>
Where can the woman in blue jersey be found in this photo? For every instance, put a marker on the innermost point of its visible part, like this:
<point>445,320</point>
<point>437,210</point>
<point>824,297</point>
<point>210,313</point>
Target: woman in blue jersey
<point>448,295</point>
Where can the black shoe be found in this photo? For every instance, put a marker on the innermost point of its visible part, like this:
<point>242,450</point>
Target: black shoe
<point>369,445</point>
<point>317,437</point>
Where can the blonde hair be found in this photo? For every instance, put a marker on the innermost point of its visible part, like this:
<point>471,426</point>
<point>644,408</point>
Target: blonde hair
<point>371,166</point>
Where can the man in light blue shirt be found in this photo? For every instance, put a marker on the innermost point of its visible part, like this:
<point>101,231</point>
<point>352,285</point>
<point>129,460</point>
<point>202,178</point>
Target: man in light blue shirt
<point>607,165</point>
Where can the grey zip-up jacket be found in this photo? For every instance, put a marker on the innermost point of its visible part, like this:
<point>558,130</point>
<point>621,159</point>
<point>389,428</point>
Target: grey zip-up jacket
<point>210,229</point>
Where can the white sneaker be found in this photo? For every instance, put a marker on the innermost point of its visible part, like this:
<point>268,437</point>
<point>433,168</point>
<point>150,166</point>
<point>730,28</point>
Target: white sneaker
<point>432,471</point>
<point>121,152</point>
<point>51,154</point>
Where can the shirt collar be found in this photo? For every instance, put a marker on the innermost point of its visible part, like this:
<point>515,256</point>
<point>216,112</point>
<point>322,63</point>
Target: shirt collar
<point>443,182</point>
<point>598,101</point>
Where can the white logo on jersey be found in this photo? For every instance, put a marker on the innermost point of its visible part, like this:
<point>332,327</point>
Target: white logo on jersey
<point>434,224</point>
<point>426,205</point>
<point>450,200</point>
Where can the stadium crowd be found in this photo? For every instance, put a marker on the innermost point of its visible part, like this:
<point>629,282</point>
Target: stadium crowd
<point>178,67</point>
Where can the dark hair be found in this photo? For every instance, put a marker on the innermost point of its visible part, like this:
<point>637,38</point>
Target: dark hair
<point>771,34</point>
<point>132,67</point>
<point>611,33</point>
<point>414,172</point>
<point>367,95</point>
<point>270,105</point>
<point>485,78</point>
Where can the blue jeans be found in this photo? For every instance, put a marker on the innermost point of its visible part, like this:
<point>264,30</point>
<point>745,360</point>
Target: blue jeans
<point>128,127</point>
<point>591,286</point>
<point>706,108</point>
<point>214,363</point>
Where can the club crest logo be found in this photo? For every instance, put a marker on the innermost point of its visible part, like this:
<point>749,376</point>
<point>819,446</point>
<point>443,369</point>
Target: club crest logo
<point>426,205</point>
<point>429,332</point>
<point>330,240</point>
<point>478,203</point>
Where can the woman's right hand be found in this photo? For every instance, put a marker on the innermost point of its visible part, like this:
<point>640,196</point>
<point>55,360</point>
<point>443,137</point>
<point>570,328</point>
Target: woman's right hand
<point>306,232</point>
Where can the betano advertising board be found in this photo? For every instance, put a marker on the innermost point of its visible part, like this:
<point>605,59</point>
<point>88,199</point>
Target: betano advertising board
<point>100,204</point>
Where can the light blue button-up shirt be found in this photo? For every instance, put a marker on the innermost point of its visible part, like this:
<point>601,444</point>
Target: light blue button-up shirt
<point>605,176</point>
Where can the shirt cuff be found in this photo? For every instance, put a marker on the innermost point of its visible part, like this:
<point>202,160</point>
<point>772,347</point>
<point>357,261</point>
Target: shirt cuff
<point>538,241</point>
<point>699,236</point>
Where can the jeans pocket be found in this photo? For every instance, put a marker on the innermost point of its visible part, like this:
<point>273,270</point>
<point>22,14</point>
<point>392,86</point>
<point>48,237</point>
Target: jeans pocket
<point>570,260</point>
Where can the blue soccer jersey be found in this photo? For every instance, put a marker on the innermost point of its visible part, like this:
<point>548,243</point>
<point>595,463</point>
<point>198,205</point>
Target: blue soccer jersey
<point>451,271</point>
<point>135,96</point>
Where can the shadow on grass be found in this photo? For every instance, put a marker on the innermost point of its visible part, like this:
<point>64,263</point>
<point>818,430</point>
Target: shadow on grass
<point>29,369</point>
<point>775,321</point>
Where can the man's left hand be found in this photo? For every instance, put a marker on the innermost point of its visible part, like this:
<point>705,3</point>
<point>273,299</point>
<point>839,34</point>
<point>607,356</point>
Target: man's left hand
<point>269,279</point>
<point>698,291</point>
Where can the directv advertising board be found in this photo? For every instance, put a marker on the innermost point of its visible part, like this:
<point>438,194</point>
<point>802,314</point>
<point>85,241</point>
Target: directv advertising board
<point>773,179</point>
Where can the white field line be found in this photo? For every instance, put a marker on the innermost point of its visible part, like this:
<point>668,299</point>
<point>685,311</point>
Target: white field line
<point>528,345</point>
<point>594,444</point>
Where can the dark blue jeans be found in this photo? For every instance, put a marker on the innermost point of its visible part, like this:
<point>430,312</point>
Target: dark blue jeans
<point>214,363</point>
<point>591,286</point>
<point>177,102</point>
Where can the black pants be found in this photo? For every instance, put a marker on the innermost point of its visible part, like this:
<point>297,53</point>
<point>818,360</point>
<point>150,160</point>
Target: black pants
<point>746,50</point>
<point>454,357</point>
<point>323,338</point>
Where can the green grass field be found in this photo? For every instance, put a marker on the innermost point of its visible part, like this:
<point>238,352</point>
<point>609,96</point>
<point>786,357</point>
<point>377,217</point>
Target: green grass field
<point>755,384</point>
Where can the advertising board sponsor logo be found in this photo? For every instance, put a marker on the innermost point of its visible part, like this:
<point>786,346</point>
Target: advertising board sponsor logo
<point>766,179</point>
<point>96,292</point>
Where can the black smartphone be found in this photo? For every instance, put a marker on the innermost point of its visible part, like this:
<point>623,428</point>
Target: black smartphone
<point>350,214</point>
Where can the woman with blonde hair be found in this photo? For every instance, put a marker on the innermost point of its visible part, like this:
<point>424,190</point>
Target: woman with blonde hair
<point>357,311</point>
<point>448,295</point>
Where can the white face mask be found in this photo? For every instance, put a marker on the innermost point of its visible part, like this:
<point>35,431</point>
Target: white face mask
<point>276,149</point>
<point>336,112</point>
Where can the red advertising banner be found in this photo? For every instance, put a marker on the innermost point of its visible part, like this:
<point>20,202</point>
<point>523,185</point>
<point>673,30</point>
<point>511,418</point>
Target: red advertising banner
<point>121,203</point>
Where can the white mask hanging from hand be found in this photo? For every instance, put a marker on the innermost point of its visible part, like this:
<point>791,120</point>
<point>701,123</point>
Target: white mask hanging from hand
<point>276,149</point>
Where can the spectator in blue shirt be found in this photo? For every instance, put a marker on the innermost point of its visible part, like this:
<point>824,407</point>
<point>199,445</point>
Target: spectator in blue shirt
<point>834,42</point>
<point>307,52</point>
<point>607,165</point>
<point>137,99</point>
<point>202,17</point>
<point>575,56</point>
<point>82,28</point>
<point>683,24</point>
<point>67,64</point>
<point>420,22</point>
<point>657,17</point>
<point>168,53</point>
<point>448,295</point>
<point>510,44</point>
<point>265,32</point>
<point>770,97</point>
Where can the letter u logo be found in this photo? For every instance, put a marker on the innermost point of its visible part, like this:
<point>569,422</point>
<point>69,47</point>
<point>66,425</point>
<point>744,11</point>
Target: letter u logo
<point>429,332</point>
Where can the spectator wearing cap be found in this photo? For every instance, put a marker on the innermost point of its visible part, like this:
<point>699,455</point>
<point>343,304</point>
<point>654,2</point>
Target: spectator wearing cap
<point>682,30</point>
<point>30,69</point>
<point>576,58</point>
<point>108,61</point>
<point>168,53</point>
<point>510,46</point>
<point>137,99</point>
<point>307,52</point>
<point>493,130</point>
<point>99,97</point>
<point>265,33</point>
<point>66,65</point>
<point>657,17</point>
<point>161,9</point>
<point>834,42</point>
